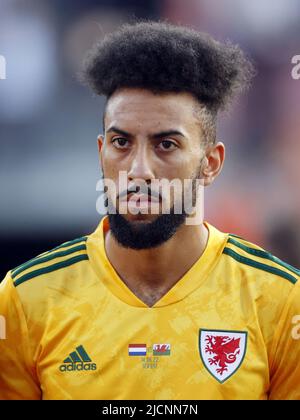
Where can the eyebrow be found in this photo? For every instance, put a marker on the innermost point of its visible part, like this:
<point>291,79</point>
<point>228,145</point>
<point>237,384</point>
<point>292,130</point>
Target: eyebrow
<point>154,136</point>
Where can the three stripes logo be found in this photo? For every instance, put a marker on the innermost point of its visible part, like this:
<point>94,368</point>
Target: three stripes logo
<point>78,360</point>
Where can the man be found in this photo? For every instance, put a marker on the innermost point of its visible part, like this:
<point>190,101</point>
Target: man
<point>150,306</point>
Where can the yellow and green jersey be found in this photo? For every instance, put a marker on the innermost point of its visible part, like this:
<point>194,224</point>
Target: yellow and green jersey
<point>71,328</point>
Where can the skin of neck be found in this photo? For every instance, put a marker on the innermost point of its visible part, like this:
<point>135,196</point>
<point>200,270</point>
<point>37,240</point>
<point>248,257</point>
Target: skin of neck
<point>150,273</point>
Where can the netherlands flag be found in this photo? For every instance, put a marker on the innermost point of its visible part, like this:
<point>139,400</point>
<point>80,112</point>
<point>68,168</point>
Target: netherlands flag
<point>137,349</point>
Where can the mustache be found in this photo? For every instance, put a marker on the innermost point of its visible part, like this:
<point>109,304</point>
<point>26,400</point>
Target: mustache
<point>140,189</point>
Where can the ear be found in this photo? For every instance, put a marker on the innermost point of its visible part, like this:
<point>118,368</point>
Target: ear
<point>213,162</point>
<point>100,141</point>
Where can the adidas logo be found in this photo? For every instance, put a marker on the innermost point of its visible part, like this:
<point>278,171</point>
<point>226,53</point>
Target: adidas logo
<point>77,360</point>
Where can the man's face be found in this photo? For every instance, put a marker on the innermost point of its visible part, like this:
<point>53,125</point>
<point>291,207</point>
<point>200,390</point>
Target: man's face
<point>150,137</point>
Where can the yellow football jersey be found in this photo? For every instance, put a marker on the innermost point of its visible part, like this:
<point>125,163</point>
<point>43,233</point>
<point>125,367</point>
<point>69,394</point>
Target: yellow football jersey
<point>71,329</point>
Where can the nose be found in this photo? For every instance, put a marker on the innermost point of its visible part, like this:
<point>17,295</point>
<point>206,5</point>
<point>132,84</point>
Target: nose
<point>140,167</point>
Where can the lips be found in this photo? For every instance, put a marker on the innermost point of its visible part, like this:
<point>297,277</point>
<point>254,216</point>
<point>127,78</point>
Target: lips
<point>141,198</point>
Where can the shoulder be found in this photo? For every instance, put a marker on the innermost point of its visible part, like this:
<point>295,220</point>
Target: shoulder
<point>45,290</point>
<point>256,261</point>
<point>52,263</point>
<point>264,283</point>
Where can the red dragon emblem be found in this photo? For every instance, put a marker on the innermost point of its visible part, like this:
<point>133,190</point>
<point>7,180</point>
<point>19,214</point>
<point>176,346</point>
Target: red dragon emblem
<point>225,350</point>
<point>161,348</point>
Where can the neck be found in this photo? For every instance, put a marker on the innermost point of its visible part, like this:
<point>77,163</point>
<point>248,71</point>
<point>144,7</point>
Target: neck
<point>150,273</point>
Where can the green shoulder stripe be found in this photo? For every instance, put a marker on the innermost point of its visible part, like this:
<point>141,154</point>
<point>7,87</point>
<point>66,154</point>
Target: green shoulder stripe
<point>47,258</point>
<point>50,268</point>
<point>235,236</point>
<point>260,266</point>
<point>264,254</point>
<point>19,269</point>
<point>73,242</point>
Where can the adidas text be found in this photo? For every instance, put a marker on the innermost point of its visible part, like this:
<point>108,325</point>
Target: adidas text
<point>77,366</point>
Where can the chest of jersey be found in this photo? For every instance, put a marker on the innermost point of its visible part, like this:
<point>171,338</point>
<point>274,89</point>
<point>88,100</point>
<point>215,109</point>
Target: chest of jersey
<point>202,347</point>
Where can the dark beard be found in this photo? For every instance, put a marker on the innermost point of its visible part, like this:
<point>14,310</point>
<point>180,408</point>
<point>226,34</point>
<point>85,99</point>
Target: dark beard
<point>137,235</point>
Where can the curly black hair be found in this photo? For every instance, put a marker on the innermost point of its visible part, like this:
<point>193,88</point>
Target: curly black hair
<point>163,57</point>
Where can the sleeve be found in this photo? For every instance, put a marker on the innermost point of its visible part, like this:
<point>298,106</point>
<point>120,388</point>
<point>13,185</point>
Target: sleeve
<point>285,368</point>
<point>18,380</point>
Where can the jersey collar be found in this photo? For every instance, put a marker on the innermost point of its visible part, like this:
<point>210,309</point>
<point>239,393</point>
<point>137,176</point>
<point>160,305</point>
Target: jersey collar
<point>190,281</point>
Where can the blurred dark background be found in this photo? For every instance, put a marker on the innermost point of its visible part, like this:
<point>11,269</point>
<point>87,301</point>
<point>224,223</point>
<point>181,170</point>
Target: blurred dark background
<point>49,122</point>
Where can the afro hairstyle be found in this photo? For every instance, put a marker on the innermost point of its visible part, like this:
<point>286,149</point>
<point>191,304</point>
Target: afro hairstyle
<point>163,57</point>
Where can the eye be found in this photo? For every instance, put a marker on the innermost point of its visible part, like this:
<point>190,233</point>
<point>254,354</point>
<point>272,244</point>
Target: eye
<point>120,142</point>
<point>167,145</point>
